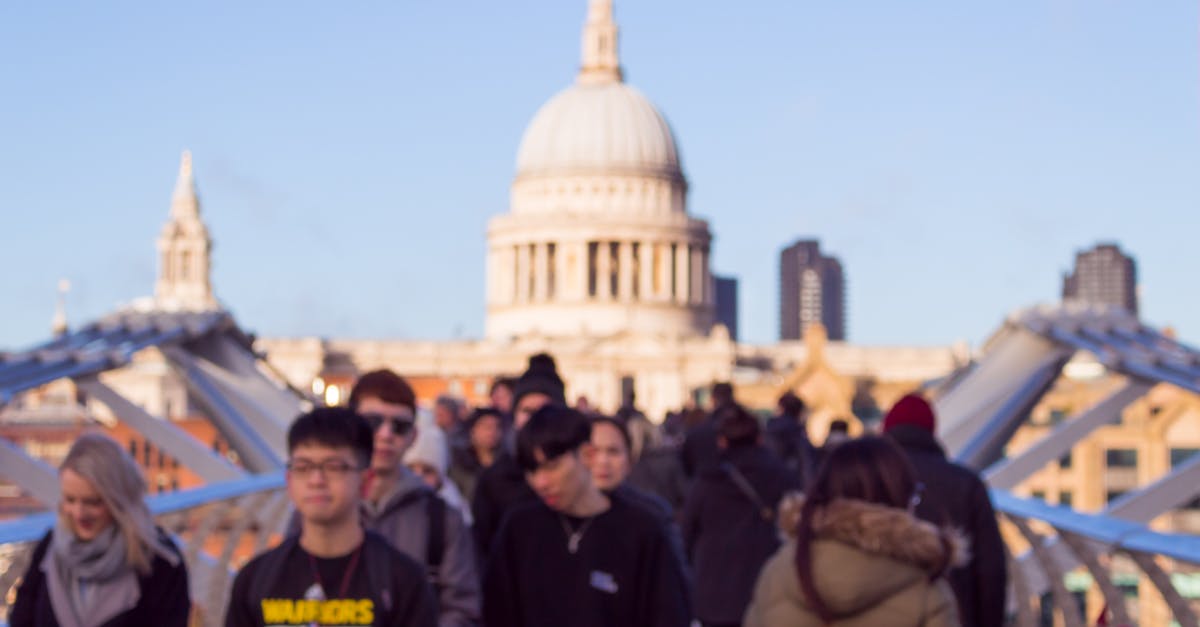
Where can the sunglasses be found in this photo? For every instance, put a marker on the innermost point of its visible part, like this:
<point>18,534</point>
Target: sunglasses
<point>400,426</point>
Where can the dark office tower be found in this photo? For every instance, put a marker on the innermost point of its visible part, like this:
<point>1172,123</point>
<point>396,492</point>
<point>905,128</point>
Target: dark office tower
<point>726,303</point>
<point>812,289</point>
<point>1103,276</point>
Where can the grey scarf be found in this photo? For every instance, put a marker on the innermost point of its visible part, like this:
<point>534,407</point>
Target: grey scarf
<point>89,582</point>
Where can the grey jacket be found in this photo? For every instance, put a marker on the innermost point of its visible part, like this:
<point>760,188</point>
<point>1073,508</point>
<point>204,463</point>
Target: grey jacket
<point>402,517</point>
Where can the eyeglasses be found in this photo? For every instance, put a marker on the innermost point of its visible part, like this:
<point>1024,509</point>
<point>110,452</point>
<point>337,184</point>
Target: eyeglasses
<point>329,468</point>
<point>915,499</point>
<point>400,426</point>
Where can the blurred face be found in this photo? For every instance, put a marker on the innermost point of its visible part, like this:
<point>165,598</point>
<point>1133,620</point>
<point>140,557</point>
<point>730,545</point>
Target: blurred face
<point>610,462</point>
<point>394,432</point>
<point>81,506</point>
<point>427,473</point>
<point>528,404</point>
<point>502,398</point>
<point>445,417</point>
<point>324,483</point>
<point>485,434</point>
<point>562,481</point>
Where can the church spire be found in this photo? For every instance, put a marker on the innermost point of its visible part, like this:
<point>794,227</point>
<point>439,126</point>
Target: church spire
<point>184,203</point>
<point>59,323</point>
<point>601,64</point>
<point>183,249</point>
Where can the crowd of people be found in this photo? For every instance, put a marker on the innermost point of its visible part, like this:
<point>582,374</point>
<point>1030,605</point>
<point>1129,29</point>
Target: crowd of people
<point>532,512</point>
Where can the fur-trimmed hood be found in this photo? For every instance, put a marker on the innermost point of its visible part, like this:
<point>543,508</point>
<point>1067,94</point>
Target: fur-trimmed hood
<point>880,530</point>
<point>865,553</point>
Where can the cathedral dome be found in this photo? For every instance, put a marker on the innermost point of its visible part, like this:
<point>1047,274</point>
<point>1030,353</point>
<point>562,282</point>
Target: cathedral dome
<point>598,127</point>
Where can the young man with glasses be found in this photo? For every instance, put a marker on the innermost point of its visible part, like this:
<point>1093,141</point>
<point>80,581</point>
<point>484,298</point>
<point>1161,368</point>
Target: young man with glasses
<point>334,572</point>
<point>404,510</point>
<point>577,556</point>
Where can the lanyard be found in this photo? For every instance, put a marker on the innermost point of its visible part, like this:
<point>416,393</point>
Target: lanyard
<point>312,564</point>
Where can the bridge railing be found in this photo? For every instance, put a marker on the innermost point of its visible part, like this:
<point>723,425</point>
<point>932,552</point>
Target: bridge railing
<point>1061,540</point>
<point>217,527</point>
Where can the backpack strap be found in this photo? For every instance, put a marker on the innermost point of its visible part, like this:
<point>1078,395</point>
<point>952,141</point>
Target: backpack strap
<point>435,547</point>
<point>379,568</point>
<point>271,567</point>
<point>743,484</point>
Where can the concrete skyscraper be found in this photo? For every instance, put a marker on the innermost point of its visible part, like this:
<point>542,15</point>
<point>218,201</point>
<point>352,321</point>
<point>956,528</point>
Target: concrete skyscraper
<point>1103,275</point>
<point>812,288</point>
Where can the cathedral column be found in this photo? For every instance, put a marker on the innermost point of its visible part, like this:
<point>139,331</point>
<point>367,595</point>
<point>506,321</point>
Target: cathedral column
<point>646,271</point>
<point>540,272</point>
<point>662,256</point>
<point>603,271</point>
<point>625,281</point>
<point>579,291</point>
<point>697,275</point>
<point>522,273</point>
<point>681,273</point>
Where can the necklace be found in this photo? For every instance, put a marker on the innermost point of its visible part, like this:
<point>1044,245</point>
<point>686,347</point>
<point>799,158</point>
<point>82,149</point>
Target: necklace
<point>574,536</point>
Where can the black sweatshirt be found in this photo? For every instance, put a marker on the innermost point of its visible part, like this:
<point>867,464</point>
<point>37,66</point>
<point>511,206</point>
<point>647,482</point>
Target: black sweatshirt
<point>295,598</point>
<point>625,573</point>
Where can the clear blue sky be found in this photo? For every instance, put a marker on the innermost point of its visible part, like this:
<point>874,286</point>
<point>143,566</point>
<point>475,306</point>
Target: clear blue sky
<point>955,155</point>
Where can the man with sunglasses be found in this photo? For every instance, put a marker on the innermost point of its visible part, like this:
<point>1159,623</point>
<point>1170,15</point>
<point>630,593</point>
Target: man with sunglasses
<point>404,510</point>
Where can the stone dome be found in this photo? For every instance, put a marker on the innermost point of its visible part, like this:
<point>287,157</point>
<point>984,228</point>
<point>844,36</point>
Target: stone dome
<point>603,127</point>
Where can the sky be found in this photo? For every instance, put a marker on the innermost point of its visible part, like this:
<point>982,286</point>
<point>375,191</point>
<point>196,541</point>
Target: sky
<point>954,155</point>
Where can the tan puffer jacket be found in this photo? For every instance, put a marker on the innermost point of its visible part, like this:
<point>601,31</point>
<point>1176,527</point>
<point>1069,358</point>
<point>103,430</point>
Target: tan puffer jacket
<point>873,566</point>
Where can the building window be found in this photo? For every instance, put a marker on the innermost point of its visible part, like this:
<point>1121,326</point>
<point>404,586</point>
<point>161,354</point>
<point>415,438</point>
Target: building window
<point>1065,461</point>
<point>674,269</point>
<point>1057,416</point>
<point>1180,455</point>
<point>1066,499</point>
<point>1121,458</point>
<point>1039,495</point>
<point>1113,495</point>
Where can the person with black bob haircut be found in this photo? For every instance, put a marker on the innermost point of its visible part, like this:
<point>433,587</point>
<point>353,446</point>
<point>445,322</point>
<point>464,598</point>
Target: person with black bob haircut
<point>334,572</point>
<point>577,556</point>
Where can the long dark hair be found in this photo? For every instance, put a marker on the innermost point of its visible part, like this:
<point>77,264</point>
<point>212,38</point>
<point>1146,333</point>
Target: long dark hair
<point>870,469</point>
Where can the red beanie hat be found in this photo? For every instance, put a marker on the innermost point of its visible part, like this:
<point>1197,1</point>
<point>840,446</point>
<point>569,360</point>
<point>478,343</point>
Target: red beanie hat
<point>910,410</point>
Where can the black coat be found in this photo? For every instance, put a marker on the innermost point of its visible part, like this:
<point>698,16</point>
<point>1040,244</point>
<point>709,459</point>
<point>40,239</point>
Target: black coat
<point>788,438</point>
<point>955,495</point>
<point>726,536</point>
<point>501,486</point>
<point>164,596</point>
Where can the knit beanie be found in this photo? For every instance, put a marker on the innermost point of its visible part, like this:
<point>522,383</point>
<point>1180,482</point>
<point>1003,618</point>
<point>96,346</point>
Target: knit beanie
<point>541,377</point>
<point>910,410</point>
<point>429,448</point>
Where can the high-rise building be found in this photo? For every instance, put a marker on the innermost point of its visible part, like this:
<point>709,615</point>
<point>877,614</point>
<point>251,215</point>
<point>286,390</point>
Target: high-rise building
<point>726,303</point>
<point>1103,275</point>
<point>812,289</point>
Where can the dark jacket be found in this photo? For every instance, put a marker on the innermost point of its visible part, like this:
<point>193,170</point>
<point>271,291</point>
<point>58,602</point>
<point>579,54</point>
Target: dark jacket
<point>164,595</point>
<point>954,495</point>
<point>700,452</point>
<point>726,535</point>
<point>659,471</point>
<point>788,438</point>
<point>465,469</point>
<point>500,486</point>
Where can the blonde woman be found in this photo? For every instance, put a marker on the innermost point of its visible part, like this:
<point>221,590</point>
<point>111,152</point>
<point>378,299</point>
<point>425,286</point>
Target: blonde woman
<point>104,564</point>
